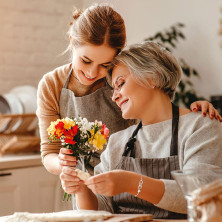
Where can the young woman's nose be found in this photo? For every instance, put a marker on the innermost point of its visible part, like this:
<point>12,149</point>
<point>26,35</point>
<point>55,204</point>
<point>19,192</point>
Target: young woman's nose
<point>93,72</point>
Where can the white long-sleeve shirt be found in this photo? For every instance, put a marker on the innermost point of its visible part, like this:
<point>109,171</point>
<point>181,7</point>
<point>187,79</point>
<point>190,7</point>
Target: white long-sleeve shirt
<point>199,144</point>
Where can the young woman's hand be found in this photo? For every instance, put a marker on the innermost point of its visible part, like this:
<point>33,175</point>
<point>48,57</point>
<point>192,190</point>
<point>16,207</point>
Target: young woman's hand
<point>65,159</point>
<point>109,183</point>
<point>206,107</point>
<point>71,184</point>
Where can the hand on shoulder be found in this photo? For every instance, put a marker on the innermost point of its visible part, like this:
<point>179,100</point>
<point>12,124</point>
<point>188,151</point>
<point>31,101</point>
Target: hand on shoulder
<point>205,107</point>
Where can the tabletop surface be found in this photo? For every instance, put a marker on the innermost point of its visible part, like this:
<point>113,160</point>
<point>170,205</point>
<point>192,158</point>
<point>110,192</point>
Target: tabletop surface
<point>122,218</point>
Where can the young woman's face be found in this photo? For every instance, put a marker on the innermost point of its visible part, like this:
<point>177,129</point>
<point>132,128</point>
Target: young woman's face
<point>131,97</point>
<point>90,62</point>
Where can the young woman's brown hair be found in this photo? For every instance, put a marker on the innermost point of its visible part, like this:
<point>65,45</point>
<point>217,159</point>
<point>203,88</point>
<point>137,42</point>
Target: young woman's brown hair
<point>97,25</point>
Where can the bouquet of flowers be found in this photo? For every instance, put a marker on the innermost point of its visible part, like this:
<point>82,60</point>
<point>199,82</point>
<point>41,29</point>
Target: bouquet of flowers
<point>79,135</point>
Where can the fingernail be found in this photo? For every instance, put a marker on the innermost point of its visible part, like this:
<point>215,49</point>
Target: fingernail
<point>204,114</point>
<point>211,116</point>
<point>194,109</point>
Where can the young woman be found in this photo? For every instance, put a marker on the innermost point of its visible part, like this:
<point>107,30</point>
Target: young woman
<point>96,35</point>
<point>79,88</point>
<point>134,173</point>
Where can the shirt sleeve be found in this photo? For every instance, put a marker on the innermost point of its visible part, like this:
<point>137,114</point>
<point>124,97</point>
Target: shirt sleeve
<point>47,111</point>
<point>201,147</point>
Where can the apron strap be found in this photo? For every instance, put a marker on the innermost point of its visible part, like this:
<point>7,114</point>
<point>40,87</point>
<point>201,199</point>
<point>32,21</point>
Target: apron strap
<point>174,139</point>
<point>130,145</point>
<point>68,79</point>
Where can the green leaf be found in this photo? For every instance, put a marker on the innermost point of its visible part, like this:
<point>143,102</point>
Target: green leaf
<point>189,83</point>
<point>180,25</point>
<point>181,86</point>
<point>181,35</point>
<point>64,196</point>
<point>195,73</point>
<point>157,35</point>
<point>186,71</point>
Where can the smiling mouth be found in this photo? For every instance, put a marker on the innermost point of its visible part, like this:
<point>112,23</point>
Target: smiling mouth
<point>88,77</point>
<point>122,104</point>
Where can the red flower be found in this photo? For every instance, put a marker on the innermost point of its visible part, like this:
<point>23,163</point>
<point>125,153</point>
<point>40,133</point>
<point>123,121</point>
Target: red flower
<point>70,141</point>
<point>71,132</point>
<point>59,129</point>
<point>75,129</point>
<point>60,125</point>
<point>105,131</point>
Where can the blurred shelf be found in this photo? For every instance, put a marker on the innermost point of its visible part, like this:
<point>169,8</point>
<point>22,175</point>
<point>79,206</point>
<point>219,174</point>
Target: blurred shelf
<point>21,160</point>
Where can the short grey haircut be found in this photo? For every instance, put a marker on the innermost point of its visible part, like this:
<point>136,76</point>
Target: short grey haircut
<point>149,60</point>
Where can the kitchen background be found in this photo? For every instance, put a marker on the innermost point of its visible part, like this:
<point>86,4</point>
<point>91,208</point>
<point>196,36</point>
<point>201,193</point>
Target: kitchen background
<point>33,36</point>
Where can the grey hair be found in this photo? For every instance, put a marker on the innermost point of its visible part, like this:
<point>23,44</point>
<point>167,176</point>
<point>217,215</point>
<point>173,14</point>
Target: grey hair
<point>149,60</point>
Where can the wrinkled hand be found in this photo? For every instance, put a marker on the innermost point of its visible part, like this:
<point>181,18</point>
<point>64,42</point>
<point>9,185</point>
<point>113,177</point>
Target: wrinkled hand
<point>71,184</point>
<point>65,159</point>
<point>109,183</point>
<point>204,107</point>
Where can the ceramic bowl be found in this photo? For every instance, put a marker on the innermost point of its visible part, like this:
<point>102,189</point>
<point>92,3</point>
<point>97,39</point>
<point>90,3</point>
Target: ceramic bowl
<point>15,107</point>
<point>4,106</point>
<point>28,96</point>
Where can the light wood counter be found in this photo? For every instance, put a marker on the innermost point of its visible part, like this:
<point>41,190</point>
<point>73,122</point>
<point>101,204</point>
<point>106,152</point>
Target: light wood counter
<point>13,161</point>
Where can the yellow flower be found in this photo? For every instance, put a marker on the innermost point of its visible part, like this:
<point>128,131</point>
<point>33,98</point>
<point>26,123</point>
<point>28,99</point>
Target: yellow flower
<point>68,123</point>
<point>98,141</point>
<point>51,129</point>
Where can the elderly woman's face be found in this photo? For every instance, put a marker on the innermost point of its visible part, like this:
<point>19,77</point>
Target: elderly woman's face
<point>131,97</point>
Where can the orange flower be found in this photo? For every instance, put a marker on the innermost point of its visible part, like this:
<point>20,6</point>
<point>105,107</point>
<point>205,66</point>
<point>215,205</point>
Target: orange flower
<point>59,129</point>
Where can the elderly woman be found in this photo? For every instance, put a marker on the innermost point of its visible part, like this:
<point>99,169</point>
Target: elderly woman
<point>134,173</point>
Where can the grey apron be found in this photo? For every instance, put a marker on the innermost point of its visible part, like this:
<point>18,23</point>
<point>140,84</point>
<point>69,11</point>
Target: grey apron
<point>95,106</point>
<point>158,168</point>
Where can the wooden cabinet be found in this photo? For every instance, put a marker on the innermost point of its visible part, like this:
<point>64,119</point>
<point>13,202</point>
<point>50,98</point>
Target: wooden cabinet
<point>30,189</point>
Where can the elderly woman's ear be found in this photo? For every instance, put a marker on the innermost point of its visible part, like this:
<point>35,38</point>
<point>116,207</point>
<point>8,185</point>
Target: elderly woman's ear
<point>151,83</point>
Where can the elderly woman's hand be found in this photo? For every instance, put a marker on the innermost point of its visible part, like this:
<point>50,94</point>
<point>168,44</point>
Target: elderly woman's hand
<point>109,183</point>
<point>204,107</point>
<point>71,184</point>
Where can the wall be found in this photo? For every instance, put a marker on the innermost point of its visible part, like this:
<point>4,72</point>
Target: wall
<point>33,35</point>
<point>201,48</point>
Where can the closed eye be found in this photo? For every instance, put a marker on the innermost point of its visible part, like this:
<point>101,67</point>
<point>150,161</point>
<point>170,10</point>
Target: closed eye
<point>105,66</point>
<point>86,62</point>
<point>120,85</point>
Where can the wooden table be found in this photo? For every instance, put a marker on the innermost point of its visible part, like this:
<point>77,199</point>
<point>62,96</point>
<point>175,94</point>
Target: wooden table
<point>128,218</point>
<point>168,220</point>
<point>137,218</point>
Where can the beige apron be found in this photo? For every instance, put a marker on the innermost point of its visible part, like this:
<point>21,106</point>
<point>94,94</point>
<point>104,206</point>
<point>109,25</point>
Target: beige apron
<point>95,106</point>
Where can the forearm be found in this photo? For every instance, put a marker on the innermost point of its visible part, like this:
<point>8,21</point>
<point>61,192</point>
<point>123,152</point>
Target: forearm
<point>51,163</point>
<point>87,200</point>
<point>152,189</point>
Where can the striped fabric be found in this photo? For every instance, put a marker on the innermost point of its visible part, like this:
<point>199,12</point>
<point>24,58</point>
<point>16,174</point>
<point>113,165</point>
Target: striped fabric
<point>158,168</point>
